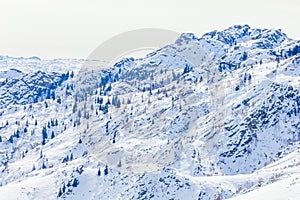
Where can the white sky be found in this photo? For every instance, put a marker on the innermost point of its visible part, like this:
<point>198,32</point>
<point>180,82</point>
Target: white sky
<point>74,28</point>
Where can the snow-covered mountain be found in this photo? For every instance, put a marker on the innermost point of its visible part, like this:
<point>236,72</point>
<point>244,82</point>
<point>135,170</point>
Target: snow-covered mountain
<point>211,117</point>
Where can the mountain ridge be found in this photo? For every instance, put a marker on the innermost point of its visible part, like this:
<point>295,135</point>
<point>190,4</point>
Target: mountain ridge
<point>204,118</point>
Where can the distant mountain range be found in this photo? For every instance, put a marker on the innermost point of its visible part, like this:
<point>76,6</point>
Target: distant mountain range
<point>211,117</point>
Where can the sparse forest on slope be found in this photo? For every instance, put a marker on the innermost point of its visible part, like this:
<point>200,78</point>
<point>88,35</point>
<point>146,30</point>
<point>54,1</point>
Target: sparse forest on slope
<point>213,117</point>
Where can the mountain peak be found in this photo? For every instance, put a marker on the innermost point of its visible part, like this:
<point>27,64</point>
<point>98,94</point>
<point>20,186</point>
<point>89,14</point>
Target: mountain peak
<point>186,37</point>
<point>265,38</point>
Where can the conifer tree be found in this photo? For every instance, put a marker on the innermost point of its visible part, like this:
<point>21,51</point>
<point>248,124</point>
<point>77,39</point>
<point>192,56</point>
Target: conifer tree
<point>106,170</point>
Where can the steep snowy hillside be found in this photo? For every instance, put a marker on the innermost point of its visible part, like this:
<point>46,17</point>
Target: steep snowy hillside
<point>214,117</point>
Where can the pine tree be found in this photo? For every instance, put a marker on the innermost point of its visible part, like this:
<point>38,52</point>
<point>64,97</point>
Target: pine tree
<point>106,126</point>
<point>44,133</point>
<point>52,135</point>
<point>53,95</point>
<point>59,193</point>
<point>59,100</point>
<point>245,56</point>
<point>11,139</point>
<point>108,102</point>
<point>99,172</point>
<point>67,158</point>
<point>17,134</point>
<point>187,69</point>
<point>72,74</point>
<point>106,170</point>
<point>75,182</point>
<point>119,164</point>
<point>44,166</point>
<point>67,75</point>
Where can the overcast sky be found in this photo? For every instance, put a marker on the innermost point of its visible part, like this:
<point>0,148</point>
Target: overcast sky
<point>73,28</point>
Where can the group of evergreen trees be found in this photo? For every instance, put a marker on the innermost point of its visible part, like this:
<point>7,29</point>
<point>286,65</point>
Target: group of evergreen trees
<point>51,123</point>
<point>65,189</point>
<point>105,171</point>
